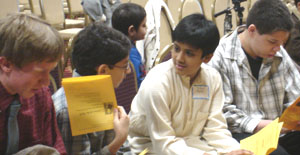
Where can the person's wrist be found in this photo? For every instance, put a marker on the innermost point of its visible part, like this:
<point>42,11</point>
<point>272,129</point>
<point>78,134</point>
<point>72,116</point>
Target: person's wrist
<point>121,137</point>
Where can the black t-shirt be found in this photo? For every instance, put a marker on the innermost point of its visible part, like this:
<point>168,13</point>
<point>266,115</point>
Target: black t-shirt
<point>254,64</point>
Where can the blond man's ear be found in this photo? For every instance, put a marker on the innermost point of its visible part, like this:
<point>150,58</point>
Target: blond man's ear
<point>5,65</point>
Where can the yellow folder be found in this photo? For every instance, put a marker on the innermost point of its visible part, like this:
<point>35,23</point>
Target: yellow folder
<point>265,141</point>
<point>291,116</point>
<point>91,101</point>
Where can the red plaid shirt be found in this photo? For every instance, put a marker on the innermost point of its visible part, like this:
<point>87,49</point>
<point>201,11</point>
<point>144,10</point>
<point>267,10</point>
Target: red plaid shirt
<point>36,120</point>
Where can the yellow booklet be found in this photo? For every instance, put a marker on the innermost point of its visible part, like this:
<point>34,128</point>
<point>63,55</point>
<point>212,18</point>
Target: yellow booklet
<point>91,102</point>
<point>291,116</point>
<point>265,141</point>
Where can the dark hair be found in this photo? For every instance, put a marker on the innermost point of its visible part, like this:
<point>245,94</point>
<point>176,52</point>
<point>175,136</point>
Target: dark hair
<point>198,32</point>
<point>27,38</point>
<point>269,16</point>
<point>128,14</point>
<point>98,44</point>
<point>296,1</point>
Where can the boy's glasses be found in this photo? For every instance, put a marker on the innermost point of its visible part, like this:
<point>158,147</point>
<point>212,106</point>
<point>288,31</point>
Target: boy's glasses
<point>127,67</point>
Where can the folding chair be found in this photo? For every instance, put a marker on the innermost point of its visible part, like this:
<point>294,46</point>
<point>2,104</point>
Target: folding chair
<point>52,11</point>
<point>8,6</point>
<point>127,89</point>
<point>35,7</point>
<point>190,7</point>
<point>207,6</point>
<point>165,54</point>
<point>175,7</point>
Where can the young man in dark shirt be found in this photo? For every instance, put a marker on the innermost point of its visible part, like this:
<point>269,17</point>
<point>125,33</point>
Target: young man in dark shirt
<point>29,49</point>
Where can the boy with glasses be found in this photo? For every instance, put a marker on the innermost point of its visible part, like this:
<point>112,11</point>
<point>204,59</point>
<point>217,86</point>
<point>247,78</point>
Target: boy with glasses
<point>98,50</point>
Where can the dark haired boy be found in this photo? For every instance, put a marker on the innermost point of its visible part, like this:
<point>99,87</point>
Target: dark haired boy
<point>98,50</point>
<point>259,78</point>
<point>182,99</point>
<point>130,19</point>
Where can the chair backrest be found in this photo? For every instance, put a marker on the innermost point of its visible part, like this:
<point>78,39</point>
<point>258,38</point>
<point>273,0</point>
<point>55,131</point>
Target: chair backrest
<point>8,6</point>
<point>55,79</point>
<point>175,9</point>
<point>52,12</point>
<point>68,53</point>
<point>252,2</point>
<point>75,8</point>
<point>165,30</point>
<point>164,55</point>
<point>139,2</point>
<point>190,7</point>
<point>35,7</point>
<point>127,89</point>
<point>52,86</point>
<point>23,2</point>
<point>207,7</point>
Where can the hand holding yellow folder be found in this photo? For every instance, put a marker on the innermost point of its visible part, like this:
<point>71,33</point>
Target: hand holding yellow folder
<point>91,101</point>
<point>291,116</point>
<point>265,141</point>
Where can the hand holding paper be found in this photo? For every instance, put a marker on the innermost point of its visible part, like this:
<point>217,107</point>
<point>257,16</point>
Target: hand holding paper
<point>121,123</point>
<point>291,116</point>
<point>265,141</point>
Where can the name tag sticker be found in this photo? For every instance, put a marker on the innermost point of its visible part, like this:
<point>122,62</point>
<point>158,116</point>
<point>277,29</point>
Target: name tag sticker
<point>200,92</point>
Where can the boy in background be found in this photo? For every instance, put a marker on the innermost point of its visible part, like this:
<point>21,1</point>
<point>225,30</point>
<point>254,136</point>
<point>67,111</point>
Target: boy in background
<point>182,99</point>
<point>98,50</point>
<point>130,19</point>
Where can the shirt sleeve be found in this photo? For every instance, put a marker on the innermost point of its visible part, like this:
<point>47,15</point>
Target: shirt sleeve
<point>137,62</point>
<point>292,78</point>
<point>237,120</point>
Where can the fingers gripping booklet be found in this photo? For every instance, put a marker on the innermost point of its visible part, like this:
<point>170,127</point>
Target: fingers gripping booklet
<point>91,102</point>
<point>266,140</point>
<point>291,116</point>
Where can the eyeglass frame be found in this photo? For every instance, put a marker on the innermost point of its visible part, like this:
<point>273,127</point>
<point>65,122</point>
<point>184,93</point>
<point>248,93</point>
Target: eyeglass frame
<point>127,67</point>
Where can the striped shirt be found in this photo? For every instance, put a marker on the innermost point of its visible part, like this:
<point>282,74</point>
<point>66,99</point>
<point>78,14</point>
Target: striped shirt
<point>249,100</point>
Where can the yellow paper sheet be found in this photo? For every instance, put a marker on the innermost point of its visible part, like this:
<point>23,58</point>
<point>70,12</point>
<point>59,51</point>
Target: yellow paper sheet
<point>265,141</point>
<point>144,151</point>
<point>291,116</point>
<point>91,100</point>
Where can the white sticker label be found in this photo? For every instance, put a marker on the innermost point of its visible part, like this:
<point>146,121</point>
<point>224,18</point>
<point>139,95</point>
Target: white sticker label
<point>200,92</point>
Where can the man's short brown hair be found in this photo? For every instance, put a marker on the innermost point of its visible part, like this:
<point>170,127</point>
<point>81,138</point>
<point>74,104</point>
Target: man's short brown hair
<point>26,38</point>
